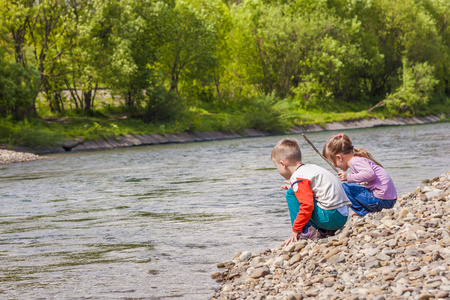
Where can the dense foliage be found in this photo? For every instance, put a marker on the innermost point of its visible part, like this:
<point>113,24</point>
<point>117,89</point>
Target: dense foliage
<point>162,60</point>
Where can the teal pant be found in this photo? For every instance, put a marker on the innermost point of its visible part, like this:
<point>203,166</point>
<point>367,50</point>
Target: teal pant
<point>320,218</point>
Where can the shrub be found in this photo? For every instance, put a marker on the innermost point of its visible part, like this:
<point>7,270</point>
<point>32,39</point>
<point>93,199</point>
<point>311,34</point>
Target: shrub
<point>30,133</point>
<point>416,89</point>
<point>18,89</point>
<point>163,106</point>
<point>263,113</point>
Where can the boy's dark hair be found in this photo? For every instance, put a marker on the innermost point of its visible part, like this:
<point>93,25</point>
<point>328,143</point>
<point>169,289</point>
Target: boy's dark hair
<point>287,149</point>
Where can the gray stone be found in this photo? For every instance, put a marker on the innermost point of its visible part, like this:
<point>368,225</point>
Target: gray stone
<point>296,258</point>
<point>245,255</point>
<point>159,138</point>
<point>173,138</point>
<point>132,140</point>
<point>383,257</point>
<point>52,150</point>
<point>186,137</point>
<point>112,141</point>
<point>249,132</point>
<point>123,141</point>
<point>205,135</point>
<point>260,272</point>
<point>80,147</point>
<point>373,264</point>
<point>69,145</point>
<point>442,294</point>
<point>146,139</point>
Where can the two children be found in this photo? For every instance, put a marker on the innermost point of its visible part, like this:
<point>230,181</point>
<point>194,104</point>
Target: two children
<point>316,200</point>
<point>318,203</point>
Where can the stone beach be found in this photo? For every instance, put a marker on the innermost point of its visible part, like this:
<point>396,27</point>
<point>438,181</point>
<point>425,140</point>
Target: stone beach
<point>401,253</point>
<point>8,156</point>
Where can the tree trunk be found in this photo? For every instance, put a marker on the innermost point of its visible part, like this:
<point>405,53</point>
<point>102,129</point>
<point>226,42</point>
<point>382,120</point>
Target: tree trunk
<point>174,78</point>
<point>58,101</point>
<point>216,83</point>
<point>129,99</point>
<point>87,100</point>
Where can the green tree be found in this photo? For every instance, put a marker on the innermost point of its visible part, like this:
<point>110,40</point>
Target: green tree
<point>440,11</point>
<point>102,48</point>
<point>151,18</point>
<point>17,16</point>
<point>205,82</point>
<point>394,30</point>
<point>51,35</point>
<point>300,48</point>
<point>188,54</point>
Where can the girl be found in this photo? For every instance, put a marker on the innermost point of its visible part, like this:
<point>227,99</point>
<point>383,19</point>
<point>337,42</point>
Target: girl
<point>369,187</point>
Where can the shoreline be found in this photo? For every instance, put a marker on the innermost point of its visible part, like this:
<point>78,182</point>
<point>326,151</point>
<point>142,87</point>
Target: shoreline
<point>131,140</point>
<point>399,253</point>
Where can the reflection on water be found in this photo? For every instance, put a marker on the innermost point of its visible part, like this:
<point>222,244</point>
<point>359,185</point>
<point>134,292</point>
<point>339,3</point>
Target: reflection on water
<point>153,222</point>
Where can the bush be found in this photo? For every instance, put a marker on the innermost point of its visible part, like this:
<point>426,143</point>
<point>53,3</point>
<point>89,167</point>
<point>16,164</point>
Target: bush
<point>163,106</point>
<point>263,113</point>
<point>30,133</point>
<point>416,89</point>
<point>18,89</point>
<point>310,93</point>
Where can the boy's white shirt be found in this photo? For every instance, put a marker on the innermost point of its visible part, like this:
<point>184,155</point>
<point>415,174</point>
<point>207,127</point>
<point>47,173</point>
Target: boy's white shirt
<point>326,187</point>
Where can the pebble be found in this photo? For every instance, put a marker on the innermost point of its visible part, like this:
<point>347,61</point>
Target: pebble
<point>245,255</point>
<point>260,272</point>
<point>398,253</point>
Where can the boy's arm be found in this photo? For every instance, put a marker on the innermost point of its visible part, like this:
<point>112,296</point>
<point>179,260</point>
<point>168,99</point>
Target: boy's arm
<point>304,194</point>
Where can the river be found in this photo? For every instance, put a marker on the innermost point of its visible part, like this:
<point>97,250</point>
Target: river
<point>153,222</point>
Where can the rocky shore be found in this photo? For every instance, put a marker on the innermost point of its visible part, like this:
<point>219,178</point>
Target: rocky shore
<point>401,253</point>
<point>8,157</point>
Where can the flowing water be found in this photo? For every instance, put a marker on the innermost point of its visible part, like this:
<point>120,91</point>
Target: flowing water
<point>153,222</point>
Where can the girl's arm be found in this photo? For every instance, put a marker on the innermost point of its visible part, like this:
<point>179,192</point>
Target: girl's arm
<point>362,172</point>
<point>342,176</point>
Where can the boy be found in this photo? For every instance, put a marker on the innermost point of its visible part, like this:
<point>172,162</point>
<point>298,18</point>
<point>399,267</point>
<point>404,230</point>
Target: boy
<point>316,199</point>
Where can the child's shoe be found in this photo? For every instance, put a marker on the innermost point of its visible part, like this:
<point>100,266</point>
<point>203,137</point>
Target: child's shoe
<point>310,234</point>
<point>324,233</point>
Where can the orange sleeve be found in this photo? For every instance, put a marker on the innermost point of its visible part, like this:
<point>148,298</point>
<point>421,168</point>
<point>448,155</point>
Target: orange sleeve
<point>304,194</point>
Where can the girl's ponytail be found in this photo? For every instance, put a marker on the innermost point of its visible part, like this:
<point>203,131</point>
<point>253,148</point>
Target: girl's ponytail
<point>341,143</point>
<point>363,153</point>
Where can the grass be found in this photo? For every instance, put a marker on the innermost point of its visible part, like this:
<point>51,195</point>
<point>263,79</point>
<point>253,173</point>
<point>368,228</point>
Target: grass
<point>265,114</point>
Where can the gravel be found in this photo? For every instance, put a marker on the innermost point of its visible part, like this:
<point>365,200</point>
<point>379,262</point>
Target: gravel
<point>9,157</point>
<point>400,253</point>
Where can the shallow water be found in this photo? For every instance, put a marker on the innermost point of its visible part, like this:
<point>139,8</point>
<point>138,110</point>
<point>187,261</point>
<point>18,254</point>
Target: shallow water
<point>153,222</point>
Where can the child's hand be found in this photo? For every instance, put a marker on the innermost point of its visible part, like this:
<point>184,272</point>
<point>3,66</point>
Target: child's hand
<point>342,176</point>
<point>286,185</point>
<point>293,238</point>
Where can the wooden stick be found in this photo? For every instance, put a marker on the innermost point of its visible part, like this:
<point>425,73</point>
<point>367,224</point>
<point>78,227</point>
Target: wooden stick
<point>331,165</point>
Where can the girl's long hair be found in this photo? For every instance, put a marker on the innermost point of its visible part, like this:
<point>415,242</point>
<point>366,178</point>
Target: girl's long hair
<point>341,144</point>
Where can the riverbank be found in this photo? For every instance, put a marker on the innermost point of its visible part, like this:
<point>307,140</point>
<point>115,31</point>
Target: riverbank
<point>402,253</point>
<point>131,140</point>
